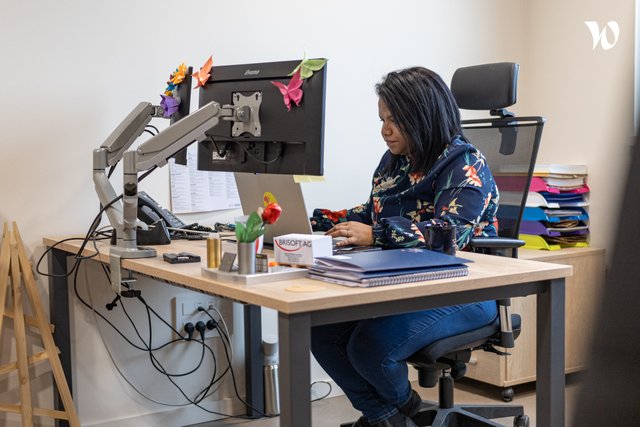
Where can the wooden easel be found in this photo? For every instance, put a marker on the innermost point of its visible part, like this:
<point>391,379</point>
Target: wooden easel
<point>15,268</point>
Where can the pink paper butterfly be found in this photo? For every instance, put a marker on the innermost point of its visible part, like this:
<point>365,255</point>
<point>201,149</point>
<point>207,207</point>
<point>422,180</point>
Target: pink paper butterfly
<point>292,91</point>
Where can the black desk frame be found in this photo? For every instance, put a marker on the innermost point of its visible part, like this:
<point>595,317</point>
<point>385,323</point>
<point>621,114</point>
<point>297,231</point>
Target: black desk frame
<point>295,338</point>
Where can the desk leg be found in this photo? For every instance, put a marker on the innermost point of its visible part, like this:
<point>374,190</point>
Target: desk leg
<point>550,382</point>
<point>254,381</point>
<point>294,333</point>
<point>59,316</point>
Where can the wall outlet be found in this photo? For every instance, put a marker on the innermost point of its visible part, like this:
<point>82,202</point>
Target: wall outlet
<point>185,309</point>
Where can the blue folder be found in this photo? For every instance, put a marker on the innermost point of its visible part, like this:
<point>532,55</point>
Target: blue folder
<point>391,260</point>
<point>554,215</point>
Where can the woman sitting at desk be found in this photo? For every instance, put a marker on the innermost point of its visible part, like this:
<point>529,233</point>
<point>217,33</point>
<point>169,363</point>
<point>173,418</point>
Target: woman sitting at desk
<point>430,174</point>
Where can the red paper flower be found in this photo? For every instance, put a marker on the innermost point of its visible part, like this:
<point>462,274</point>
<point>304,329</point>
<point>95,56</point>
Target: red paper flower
<point>271,213</point>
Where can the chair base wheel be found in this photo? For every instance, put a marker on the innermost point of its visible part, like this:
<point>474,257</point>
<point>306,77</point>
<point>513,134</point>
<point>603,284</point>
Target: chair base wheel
<point>507,394</point>
<point>521,421</point>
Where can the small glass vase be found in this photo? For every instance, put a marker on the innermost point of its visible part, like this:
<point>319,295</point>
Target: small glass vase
<point>246,257</point>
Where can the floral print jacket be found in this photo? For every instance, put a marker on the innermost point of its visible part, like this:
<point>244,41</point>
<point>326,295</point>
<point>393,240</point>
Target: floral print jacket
<point>459,189</point>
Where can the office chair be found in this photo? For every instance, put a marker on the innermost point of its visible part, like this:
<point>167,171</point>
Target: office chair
<point>505,140</point>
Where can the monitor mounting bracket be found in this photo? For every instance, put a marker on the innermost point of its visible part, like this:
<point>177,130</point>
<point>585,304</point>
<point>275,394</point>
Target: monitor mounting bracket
<point>247,113</point>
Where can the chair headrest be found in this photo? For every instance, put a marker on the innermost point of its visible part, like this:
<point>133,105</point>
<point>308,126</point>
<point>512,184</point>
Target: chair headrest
<point>486,87</point>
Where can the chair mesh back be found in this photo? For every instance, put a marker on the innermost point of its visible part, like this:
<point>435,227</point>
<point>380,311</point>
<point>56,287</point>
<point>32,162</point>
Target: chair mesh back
<point>510,146</point>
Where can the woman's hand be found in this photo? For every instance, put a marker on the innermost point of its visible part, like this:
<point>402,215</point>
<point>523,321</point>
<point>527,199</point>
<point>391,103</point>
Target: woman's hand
<point>355,233</point>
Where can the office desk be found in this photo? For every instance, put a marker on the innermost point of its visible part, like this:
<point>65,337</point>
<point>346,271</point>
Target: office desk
<point>489,277</point>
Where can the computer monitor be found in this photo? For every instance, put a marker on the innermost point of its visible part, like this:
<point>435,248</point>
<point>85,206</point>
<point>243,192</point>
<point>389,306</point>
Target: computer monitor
<point>287,142</point>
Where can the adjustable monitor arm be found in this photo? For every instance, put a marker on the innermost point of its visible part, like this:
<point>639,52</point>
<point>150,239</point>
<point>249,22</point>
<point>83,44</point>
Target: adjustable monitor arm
<point>153,153</point>
<point>111,152</point>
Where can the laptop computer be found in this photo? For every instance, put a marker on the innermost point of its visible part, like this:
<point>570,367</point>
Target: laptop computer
<point>253,187</point>
<point>287,193</point>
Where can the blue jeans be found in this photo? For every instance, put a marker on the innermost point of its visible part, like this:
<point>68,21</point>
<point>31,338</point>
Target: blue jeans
<point>366,358</point>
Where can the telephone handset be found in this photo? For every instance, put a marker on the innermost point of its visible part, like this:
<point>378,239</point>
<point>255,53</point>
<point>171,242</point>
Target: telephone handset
<point>149,212</point>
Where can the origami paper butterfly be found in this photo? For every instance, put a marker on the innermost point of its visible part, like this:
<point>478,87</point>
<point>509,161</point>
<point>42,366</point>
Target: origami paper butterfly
<point>170,88</point>
<point>178,76</point>
<point>203,75</point>
<point>169,105</point>
<point>292,91</point>
<point>308,66</point>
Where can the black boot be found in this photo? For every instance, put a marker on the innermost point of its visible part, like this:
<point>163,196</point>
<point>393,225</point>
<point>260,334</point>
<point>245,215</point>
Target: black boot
<point>412,407</point>
<point>397,420</point>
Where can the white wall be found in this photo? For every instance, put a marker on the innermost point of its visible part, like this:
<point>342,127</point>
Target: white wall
<point>586,95</point>
<point>71,70</point>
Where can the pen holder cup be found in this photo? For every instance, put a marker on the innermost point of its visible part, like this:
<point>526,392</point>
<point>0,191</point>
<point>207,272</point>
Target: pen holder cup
<point>247,258</point>
<point>441,237</point>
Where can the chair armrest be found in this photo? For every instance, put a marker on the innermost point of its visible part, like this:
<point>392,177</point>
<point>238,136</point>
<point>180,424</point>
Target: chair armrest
<point>496,242</point>
<point>505,247</point>
<point>501,246</point>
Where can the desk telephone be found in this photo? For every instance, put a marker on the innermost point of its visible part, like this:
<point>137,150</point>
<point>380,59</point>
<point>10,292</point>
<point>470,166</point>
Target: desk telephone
<point>149,212</point>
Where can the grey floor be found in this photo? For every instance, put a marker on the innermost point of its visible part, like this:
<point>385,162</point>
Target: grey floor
<point>332,412</point>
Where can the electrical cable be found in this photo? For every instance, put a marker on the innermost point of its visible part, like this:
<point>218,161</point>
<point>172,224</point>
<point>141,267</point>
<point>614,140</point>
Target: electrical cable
<point>326,394</point>
<point>150,351</point>
<point>227,334</point>
<point>233,376</point>
<point>92,234</point>
<point>206,392</point>
<point>224,324</point>
<point>264,162</point>
<point>115,364</point>
<point>90,306</point>
<point>222,153</point>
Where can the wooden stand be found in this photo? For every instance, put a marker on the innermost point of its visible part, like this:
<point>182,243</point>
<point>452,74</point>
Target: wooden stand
<point>15,268</point>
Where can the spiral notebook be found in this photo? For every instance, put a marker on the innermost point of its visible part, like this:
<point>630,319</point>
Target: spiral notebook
<point>387,267</point>
<point>395,279</point>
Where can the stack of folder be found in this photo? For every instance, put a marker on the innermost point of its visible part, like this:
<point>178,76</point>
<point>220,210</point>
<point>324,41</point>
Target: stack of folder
<point>556,214</point>
<point>387,267</point>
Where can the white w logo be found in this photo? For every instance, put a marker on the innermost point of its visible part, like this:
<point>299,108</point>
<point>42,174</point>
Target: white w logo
<point>601,36</point>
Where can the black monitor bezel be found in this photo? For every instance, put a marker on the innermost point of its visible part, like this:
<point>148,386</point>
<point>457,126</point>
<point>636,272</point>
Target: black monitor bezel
<point>265,154</point>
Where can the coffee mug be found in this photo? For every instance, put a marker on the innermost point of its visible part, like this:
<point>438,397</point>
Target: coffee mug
<point>441,237</point>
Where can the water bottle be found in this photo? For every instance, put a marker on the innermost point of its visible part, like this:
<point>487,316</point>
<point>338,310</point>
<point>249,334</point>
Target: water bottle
<point>270,369</point>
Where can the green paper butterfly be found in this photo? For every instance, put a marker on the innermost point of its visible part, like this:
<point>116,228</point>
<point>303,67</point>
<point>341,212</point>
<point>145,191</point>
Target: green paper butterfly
<point>308,66</point>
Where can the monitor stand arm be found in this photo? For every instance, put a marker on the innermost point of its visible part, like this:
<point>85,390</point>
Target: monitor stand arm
<point>152,154</point>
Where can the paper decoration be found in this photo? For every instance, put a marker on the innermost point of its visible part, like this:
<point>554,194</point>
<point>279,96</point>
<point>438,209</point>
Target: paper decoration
<point>203,75</point>
<point>179,75</point>
<point>169,90</point>
<point>169,105</point>
<point>292,91</point>
<point>175,79</point>
<point>308,66</point>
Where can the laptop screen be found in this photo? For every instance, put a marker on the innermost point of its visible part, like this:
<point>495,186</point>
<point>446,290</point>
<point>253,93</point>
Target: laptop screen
<point>255,188</point>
